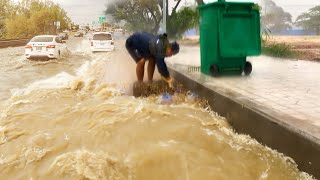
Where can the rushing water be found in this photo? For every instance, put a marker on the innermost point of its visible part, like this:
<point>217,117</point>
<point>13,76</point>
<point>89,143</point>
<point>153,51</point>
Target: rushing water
<point>75,119</point>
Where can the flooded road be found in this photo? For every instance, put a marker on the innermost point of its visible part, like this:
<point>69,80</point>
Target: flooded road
<point>74,118</point>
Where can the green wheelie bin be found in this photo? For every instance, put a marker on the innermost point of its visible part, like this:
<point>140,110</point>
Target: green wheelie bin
<point>229,32</point>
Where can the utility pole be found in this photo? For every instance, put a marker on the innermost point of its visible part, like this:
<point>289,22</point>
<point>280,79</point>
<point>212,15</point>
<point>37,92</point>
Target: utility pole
<point>164,18</point>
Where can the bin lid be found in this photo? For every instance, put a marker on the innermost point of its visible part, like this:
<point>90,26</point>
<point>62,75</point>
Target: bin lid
<point>223,2</point>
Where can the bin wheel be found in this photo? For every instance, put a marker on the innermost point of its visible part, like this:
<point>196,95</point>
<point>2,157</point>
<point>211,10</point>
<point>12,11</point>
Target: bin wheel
<point>247,68</point>
<point>214,70</point>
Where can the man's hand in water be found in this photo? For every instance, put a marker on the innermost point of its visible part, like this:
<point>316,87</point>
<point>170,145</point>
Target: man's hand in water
<point>169,80</point>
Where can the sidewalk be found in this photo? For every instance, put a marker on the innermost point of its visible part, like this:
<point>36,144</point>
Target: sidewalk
<point>278,104</point>
<point>285,88</point>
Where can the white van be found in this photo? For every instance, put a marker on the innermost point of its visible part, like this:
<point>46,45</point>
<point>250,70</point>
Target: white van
<point>102,41</point>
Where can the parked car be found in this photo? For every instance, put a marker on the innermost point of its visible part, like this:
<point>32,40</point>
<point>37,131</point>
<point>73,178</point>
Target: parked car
<point>102,41</point>
<point>84,31</point>
<point>47,46</point>
<point>64,36</point>
<point>78,34</point>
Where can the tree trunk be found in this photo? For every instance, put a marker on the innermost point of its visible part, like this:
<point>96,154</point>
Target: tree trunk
<point>199,2</point>
<point>155,30</point>
<point>167,8</point>
<point>174,10</point>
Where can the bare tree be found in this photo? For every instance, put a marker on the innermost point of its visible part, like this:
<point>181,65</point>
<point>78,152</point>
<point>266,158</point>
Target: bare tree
<point>275,18</point>
<point>142,15</point>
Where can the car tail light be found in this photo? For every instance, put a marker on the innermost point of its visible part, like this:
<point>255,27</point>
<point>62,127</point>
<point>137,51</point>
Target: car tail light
<point>28,47</point>
<point>91,43</point>
<point>51,46</point>
<point>112,43</point>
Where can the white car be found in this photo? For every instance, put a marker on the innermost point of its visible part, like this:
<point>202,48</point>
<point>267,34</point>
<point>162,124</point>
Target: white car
<point>47,46</point>
<point>102,41</point>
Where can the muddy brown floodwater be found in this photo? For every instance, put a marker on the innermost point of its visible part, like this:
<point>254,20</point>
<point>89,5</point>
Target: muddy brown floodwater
<point>74,118</point>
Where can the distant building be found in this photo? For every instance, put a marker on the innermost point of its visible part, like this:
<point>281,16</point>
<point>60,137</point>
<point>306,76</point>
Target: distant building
<point>296,31</point>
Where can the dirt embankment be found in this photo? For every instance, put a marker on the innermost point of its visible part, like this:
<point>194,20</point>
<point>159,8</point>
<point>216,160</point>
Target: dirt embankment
<point>307,47</point>
<point>190,41</point>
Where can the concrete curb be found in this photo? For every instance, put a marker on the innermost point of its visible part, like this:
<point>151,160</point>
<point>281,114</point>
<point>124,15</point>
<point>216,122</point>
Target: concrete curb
<point>4,43</point>
<point>261,124</point>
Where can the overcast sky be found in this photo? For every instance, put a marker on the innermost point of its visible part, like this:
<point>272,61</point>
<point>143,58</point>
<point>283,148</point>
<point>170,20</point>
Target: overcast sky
<point>86,11</point>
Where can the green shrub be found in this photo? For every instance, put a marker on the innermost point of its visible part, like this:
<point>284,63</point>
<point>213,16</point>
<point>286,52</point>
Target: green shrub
<point>281,50</point>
